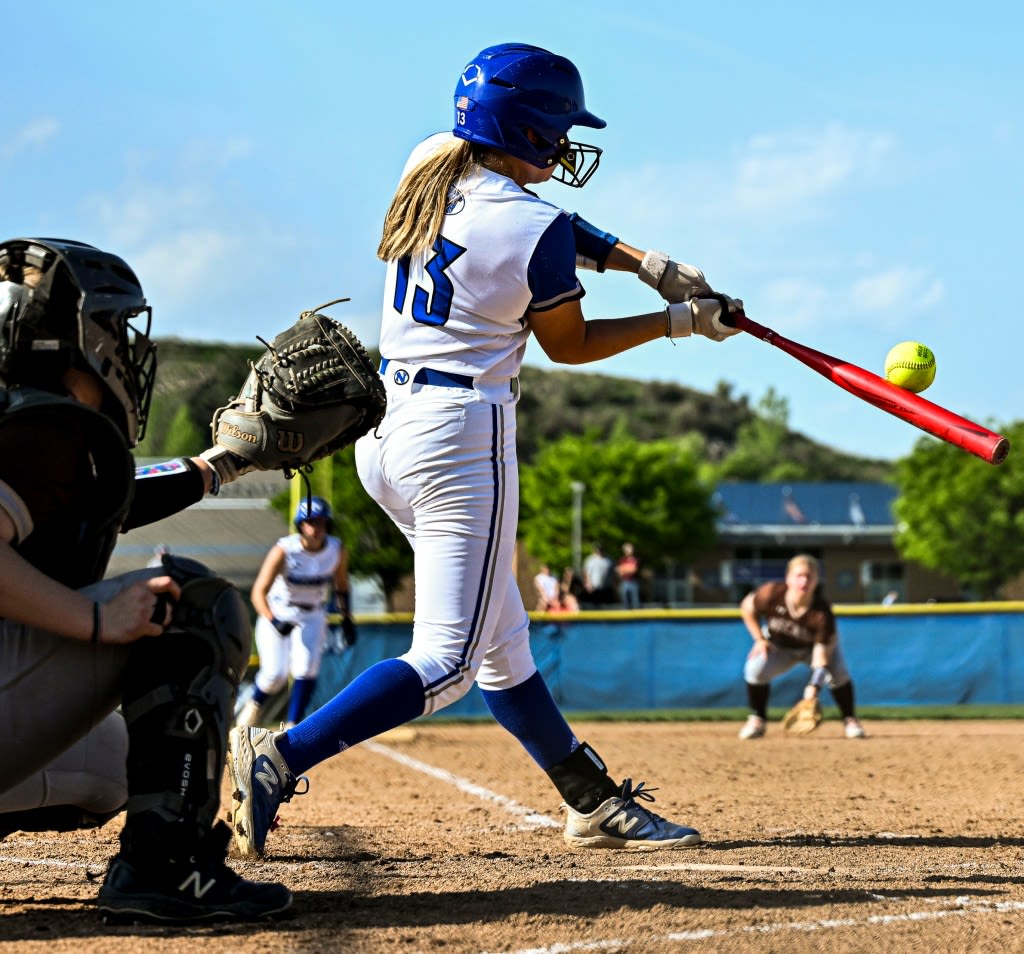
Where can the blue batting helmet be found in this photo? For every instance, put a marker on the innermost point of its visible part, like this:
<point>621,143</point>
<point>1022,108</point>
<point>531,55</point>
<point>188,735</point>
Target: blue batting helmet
<point>311,508</point>
<point>512,87</point>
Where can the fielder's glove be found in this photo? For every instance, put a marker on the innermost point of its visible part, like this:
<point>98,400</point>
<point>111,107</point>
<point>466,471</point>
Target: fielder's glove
<point>311,393</point>
<point>803,718</point>
<point>282,626</point>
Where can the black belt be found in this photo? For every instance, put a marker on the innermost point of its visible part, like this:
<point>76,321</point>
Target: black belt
<point>305,606</point>
<point>442,379</point>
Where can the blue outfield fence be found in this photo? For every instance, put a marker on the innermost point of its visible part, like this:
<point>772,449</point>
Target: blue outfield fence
<point>927,654</point>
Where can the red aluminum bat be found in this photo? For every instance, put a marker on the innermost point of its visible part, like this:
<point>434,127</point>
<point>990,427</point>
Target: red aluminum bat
<point>904,404</point>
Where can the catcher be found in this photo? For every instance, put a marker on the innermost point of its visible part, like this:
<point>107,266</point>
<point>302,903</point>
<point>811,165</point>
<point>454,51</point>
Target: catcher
<point>116,693</point>
<point>167,644</point>
<point>793,623</point>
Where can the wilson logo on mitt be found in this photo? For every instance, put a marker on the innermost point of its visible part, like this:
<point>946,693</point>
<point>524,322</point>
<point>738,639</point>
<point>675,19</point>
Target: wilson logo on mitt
<point>313,391</point>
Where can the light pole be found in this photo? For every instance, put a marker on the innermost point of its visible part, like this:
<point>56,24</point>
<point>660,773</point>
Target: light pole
<point>577,524</point>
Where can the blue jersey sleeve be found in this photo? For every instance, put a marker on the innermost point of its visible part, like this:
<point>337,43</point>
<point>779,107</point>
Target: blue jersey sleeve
<point>591,241</point>
<point>551,273</point>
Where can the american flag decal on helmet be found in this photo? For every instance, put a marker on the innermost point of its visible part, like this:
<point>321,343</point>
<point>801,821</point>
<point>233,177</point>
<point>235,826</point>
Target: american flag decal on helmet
<point>462,102</point>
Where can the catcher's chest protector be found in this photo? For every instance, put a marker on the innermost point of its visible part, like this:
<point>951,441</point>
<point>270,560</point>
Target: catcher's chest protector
<point>110,496</point>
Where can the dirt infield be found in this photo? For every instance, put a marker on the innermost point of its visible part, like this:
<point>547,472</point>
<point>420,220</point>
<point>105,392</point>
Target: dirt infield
<point>450,841</point>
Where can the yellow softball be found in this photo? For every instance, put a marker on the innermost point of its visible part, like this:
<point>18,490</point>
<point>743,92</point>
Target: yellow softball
<point>910,365</point>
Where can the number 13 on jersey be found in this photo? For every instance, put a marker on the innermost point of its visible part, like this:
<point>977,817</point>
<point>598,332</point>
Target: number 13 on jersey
<point>429,306</point>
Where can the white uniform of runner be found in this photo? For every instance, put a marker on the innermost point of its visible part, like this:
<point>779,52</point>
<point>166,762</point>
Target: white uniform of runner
<point>443,462</point>
<point>298,595</point>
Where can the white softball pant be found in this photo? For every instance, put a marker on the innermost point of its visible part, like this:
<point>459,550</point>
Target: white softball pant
<point>298,654</point>
<point>443,466</point>
<point>762,669</point>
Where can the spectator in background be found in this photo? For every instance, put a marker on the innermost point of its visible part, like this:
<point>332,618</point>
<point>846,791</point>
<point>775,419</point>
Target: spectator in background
<point>598,578</point>
<point>571,589</point>
<point>546,585</point>
<point>628,571</point>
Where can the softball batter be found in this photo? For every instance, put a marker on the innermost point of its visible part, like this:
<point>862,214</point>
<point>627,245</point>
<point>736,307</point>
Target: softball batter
<point>476,264</point>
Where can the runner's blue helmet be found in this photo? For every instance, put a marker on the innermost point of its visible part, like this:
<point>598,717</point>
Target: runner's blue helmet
<point>508,89</point>
<point>313,508</point>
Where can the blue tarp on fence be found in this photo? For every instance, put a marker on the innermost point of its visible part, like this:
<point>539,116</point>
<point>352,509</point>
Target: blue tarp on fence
<point>686,659</point>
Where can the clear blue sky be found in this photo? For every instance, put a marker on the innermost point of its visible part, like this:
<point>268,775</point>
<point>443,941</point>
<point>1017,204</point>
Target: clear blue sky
<point>852,171</point>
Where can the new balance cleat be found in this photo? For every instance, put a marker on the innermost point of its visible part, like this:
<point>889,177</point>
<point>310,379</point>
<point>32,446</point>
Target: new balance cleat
<point>621,822</point>
<point>753,728</point>
<point>261,781</point>
<point>188,890</point>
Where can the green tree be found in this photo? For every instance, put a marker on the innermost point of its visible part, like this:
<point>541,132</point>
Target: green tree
<point>645,492</point>
<point>183,438</point>
<point>376,546</point>
<point>960,516</point>
<point>759,453</point>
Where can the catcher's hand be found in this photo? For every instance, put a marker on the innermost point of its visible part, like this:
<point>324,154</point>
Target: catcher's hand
<point>311,393</point>
<point>803,718</point>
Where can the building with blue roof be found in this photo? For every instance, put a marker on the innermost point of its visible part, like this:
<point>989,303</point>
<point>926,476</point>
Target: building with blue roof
<point>848,526</point>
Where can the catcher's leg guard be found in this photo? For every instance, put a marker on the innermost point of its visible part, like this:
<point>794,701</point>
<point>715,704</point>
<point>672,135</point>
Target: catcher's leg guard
<point>178,702</point>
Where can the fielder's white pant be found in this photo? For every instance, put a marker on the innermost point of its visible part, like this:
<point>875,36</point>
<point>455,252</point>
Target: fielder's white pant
<point>298,654</point>
<point>762,669</point>
<point>443,466</point>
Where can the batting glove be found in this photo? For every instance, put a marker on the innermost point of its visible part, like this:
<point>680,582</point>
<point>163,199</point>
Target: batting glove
<point>701,316</point>
<point>674,281</point>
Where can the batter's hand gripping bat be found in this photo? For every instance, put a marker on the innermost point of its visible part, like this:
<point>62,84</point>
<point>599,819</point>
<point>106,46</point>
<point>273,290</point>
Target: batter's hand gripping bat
<point>904,404</point>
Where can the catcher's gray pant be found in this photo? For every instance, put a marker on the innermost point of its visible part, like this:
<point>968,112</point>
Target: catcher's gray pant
<point>62,742</point>
<point>763,668</point>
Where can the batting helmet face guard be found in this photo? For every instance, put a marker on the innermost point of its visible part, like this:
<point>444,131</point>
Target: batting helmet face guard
<point>314,508</point>
<point>64,304</point>
<point>523,100</point>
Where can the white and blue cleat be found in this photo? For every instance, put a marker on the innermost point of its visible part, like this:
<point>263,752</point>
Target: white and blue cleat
<point>261,781</point>
<point>621,822</point>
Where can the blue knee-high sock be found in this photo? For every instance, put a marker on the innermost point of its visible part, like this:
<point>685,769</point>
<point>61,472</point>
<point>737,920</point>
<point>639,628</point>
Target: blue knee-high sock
<point>388,694</point>
<point>531,715</point>
<point>258,695</point>
<point>302,692</point>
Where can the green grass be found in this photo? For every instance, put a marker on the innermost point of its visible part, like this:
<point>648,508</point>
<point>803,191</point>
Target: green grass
<point>868,713</point>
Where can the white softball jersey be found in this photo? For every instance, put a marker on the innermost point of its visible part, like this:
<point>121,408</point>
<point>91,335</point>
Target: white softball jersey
<point>461,307</point>
<point>306,576</point>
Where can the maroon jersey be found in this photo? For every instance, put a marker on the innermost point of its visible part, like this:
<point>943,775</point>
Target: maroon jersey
<point>816,625</point>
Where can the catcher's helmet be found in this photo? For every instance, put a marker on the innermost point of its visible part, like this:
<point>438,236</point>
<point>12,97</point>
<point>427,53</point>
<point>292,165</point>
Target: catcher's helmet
<point>508,89</point>
<point>65,304</point>
<point>312,508</point>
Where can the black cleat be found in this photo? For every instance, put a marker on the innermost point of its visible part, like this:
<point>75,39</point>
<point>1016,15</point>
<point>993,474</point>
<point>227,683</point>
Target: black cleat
<point>188,890</point>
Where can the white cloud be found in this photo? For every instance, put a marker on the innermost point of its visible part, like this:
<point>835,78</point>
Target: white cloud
<point>900,289</point>
<point>175,268</point>
<point>34,134</point>
<point>792,173</point>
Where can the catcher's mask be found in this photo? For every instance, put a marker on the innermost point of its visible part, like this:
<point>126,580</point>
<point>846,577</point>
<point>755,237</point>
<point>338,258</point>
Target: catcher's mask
<point>523,100</point>
<point>65,304</point>
<point>313,508</point>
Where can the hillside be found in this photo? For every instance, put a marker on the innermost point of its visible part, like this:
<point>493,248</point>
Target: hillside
<point>196,378</point>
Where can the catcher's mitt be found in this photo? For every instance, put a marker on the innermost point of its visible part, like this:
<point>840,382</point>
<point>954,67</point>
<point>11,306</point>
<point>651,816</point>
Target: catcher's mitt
<point>311,393</point>
<point>803,718</point>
